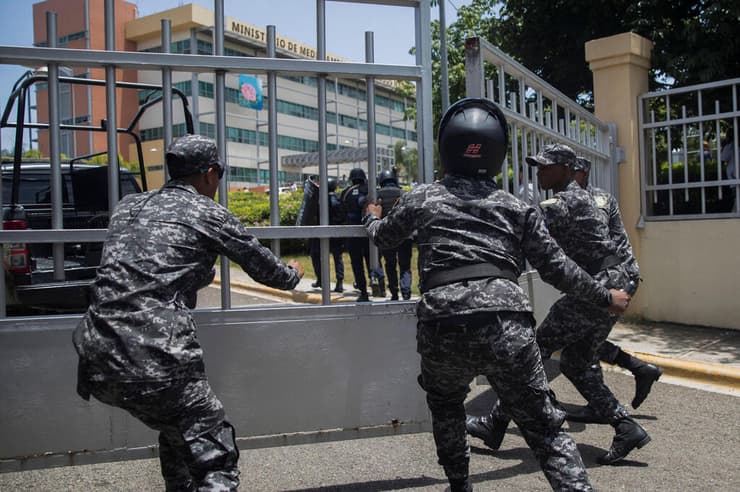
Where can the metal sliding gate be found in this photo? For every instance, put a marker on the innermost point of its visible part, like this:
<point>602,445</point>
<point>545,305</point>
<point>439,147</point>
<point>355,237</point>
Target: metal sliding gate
<point>538,114</point>
<point>287,375</point>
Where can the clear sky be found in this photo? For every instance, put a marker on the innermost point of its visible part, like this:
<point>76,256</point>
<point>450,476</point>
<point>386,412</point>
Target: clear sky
<point>346,24</point>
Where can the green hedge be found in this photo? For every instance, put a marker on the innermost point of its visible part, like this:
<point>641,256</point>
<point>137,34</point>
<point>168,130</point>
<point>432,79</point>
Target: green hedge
<point>681,206</point>
<point>253,209</point>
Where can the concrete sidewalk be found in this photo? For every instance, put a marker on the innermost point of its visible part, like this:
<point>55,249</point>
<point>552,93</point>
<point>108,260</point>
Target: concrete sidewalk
<point>698,354</point>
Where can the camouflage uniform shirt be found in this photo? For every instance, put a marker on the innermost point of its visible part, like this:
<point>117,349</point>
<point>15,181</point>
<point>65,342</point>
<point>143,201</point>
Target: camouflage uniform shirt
<point>606,202</point>
<point>462,221</point>
<point>161,248</point>
<point>577,224</point>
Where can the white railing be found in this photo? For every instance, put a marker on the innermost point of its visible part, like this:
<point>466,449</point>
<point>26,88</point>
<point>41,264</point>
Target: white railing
<point>538,114</point>
<point>689,152</point>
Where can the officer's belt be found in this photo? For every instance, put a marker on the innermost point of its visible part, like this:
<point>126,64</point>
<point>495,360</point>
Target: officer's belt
<point>602,264</point>
<point>467,272</point>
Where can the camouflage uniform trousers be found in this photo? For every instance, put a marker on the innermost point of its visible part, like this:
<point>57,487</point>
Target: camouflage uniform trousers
<point>501,346</point>
<point>197,446</point>
<point>580,329</point>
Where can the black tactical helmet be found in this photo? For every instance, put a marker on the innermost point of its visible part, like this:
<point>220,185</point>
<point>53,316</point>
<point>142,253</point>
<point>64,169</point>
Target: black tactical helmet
<point>332,183</point>
<point>357,175</point>
<point>387,176</point>
<point>473,138</point>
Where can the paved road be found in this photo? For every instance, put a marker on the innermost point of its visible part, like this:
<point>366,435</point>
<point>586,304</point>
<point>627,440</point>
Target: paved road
<point>696,446</point>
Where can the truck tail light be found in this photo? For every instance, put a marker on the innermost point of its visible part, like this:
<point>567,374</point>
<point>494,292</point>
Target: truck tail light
<point>15,255</point>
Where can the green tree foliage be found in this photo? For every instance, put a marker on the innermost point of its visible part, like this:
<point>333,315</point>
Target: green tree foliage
<point>407,162</point>
<point>253,209</point>
<point>695,41</point>
<point>31,154</point>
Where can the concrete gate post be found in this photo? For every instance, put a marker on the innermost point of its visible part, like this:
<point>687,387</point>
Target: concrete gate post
<point>620,66</point>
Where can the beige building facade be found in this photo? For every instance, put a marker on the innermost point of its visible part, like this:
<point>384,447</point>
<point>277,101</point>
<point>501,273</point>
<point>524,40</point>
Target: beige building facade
<point>297,101</point>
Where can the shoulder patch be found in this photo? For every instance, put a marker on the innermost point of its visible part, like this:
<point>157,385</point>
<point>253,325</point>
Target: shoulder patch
<point>549,201</point>
<point>601,201</point>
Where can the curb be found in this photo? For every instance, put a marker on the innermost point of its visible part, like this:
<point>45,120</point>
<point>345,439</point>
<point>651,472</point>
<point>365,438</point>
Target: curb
<point>706,372</point>
<point>290,295</point>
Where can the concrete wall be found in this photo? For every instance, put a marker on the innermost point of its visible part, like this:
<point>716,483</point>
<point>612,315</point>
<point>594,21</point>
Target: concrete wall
<point>690,267</point>
<point>691,272</point>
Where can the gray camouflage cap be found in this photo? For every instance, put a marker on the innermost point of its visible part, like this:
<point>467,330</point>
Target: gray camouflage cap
<point>582,164</point>
<point>553,154</point>
<point>191,154</point>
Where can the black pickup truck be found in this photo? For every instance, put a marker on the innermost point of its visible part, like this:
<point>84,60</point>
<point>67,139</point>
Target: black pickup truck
<point>30,283</point>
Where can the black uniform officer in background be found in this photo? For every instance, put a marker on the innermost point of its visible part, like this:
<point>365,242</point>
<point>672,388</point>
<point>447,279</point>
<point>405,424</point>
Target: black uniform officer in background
<point>137,343</point>
<point>354,199</point>
<point>645,374</point>
<point>473,316</point>
<point>577,327</point>
<point>397,260</point>
<point>337,216</point>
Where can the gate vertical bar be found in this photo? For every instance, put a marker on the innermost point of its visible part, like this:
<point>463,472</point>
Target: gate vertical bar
<point>110,101</point>
<point>57,214</point>
<point>444,82</point>
<point>424,92</point>
<point>194,86</point>
<point>473,68</point>
<point>166,92</point>
<point>272,138</point>
<point>323,177</point>
<point>372,166</point>
<point>219,93</point>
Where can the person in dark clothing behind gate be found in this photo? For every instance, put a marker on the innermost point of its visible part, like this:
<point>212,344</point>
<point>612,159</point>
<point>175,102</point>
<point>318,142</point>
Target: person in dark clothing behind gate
<point>576,327</point>
<point>645,374</point>
<point>473,316</point>
<point>354,199</point>
<point>337,216</point>
<point>398,259</point>
<point>137,345</point>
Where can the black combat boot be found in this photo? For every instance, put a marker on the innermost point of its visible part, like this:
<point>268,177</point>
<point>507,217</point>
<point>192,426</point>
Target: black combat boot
<point>374,287</point>
<point>585,414</point>
<point>628,436</point>
<point>645,375</point>
<point>339,287</point>
<point>394,295</point>
<point>488,428</point>
<point>379,288</point>
<point>363,297</point>
<point>460,486</point>
<point>316,285</point>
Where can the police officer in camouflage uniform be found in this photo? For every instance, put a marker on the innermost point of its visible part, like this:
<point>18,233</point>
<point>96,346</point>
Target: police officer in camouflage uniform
<point>645,374</point>
<point>137,345</point>
<point>575,326</point>
<point>473,316</point>
<point>397,260</point>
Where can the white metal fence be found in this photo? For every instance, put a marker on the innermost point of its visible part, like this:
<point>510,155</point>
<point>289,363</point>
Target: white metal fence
<point>689,152</point>
<point>538,114</point>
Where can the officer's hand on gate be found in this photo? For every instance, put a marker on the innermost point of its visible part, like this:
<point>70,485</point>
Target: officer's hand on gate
<point>297,266</point>
<point>376,210</point>
<point>620,301</point>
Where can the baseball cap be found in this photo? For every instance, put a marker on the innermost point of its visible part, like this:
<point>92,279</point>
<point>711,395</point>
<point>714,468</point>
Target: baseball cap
<point>191,154</point>
<point>582,164</point>
<point>553,154</point>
